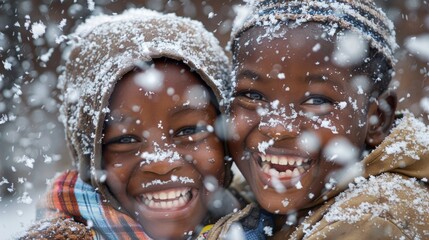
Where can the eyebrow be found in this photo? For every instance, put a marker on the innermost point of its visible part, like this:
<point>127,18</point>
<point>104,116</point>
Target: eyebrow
<point>318,78</point>
<point>185,108</point>
<point>181,108</point>
<point>252,75</point>
<point>311,78</point>
<point>249,74</point>
<point>321,78</point>
<point>118,119</point>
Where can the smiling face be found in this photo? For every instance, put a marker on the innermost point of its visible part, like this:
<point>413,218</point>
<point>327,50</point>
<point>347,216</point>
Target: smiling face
<point>295,112</point>
<point>159,147</point>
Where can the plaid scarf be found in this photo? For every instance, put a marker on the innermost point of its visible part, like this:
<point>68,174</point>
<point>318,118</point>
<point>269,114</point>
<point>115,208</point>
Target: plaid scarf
<point>71,197</point>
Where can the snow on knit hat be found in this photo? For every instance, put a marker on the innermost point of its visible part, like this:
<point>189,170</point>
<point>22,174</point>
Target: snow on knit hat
<point>360,16</point>
<point>105,48</point>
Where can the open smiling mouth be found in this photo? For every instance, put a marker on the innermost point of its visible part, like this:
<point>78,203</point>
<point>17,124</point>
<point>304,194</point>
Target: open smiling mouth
<point>170,199</point>
<point>283,167</point>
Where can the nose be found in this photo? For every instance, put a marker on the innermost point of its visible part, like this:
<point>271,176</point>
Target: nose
<point>278,128</point>
<point>163,167</point>
<point>161,161</point>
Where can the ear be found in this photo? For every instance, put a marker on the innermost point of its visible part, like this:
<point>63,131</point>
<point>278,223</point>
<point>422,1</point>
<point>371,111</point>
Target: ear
<point>381,115</point>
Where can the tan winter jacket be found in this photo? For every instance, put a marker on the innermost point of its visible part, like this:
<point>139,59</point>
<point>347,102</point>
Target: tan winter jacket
<point>389,201</point>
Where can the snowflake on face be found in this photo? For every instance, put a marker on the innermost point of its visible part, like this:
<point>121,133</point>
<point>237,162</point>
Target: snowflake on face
<point>285,202</point>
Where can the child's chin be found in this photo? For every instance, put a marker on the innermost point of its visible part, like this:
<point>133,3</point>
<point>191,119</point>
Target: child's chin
<point>281,202</point>
<point>168,231</point>
<point>280,207</point>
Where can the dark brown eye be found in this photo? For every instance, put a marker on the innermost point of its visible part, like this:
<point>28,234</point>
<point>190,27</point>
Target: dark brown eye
<point>317,100</point>
<point>186,131</point>
<point>127,139</point>
<point>253,95</point>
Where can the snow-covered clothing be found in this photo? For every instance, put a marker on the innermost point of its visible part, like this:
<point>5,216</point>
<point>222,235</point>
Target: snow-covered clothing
<point>71,205</point>
<point>71,202</point>
<point>103,50</point>
<point>58,228</point>
<point>389,200</point>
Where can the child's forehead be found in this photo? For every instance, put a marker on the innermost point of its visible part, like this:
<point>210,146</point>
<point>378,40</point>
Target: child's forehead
<point>284,31</point>
<point>312,41</point>
<point>269,45</point>
<point>363,18</point>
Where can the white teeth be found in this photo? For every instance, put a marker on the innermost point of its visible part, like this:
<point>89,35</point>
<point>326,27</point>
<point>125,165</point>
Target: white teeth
<point>149,196</point>
<point>295,173</point>
<point>273,172</point>
<point>172,194</point>
<point>163,195</point>
<point>167,199</point>
<point>167,194</point>
<point>181,201</point>
<point>283,160</point>
<point>275,159</point>
<point>295,163</point>
<point>287,174</point>
<point>167,204</point>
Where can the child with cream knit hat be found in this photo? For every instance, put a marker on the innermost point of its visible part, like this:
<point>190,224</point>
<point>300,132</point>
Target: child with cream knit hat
<point>142,93</point>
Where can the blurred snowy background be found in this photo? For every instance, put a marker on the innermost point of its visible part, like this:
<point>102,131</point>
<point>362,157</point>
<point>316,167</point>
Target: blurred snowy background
<point>32,36</point>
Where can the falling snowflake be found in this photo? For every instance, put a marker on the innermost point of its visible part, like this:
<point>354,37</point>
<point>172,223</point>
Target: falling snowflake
<point>38,29</point>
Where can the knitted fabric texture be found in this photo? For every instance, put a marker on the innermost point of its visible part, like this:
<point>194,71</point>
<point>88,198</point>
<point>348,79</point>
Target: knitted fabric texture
<point>70,197</point>
<point>105,48</point>
<point>360,16</point>
<point>71,203</point>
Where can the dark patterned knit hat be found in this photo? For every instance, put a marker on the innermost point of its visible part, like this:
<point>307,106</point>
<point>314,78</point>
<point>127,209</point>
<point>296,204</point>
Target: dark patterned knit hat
<point>360,16</point>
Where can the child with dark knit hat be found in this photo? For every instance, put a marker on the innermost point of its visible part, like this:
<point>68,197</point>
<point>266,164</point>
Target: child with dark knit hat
<point>142,93</point>
<point>314,129</point>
